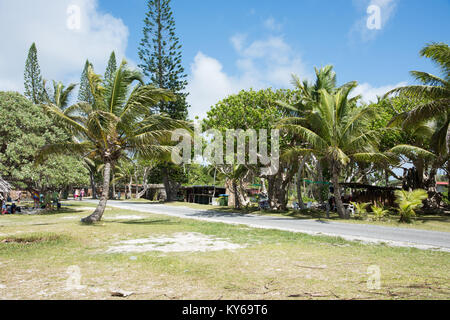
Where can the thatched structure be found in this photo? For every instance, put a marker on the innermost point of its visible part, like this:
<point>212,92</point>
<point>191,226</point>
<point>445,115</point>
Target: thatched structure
<point>5,188</point>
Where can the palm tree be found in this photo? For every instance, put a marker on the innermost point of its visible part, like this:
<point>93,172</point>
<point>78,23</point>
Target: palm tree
<point>308,96</point>
<point>60,95</point>
<point>118,123</point>
<point>124,171</point>
<point>435,92</point>
<point>334,129</point>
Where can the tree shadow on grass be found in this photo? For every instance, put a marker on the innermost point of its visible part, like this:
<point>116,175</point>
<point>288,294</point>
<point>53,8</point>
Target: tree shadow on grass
<point>146,222</point>
<point>59,212</point>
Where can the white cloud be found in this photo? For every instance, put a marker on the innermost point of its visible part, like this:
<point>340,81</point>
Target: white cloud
<point>208,84</point>
<point>238,41</point>
<point>360,29</point>
<point>370,94</point>
<point>61,51</point>
<point>260,64</point>
<point>272,25</point>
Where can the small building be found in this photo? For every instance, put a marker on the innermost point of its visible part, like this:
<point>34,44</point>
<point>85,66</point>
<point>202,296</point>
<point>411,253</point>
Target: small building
<point>200,194</point>
<point>365,193</point>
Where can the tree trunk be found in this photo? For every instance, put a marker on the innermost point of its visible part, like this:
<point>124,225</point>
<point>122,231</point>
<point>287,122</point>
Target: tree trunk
<point>93,185</point>
<point>277,192</point>
<point>299,193</point>
<point>98,213</point>
<point>145,184</point>
<point>299,184</point>
<point>114,191</point>
<point>237,204</point>
<point>130,191</point>
<point>337,191</point>
<point>263,186</point>
<point>137,185</point>
<point>170,186</point>
<point>448,179</point>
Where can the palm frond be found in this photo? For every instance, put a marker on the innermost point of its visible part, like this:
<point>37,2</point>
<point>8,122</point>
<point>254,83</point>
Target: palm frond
<point>440,54</point>
<point>412,152</point>
<point>429,79</point>
<point>63,148</point>
<point>427,111</point>
<point>420,92</point>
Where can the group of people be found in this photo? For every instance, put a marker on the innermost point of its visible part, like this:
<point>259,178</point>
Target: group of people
<point>79,194</point>
<point>48,200</point>
<point>9,209</point>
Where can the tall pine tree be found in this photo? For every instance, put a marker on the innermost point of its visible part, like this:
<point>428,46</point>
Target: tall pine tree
<point>111,68</point>
<point>85,94</point>
<point>160,55</point>
<point>34,85</point>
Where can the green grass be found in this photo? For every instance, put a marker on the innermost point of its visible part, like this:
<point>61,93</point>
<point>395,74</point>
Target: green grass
<point>272,265</point>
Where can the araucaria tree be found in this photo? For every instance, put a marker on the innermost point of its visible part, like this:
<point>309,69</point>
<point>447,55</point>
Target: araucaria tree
<point>160,55</point>
<point>85,94</point>
<point>116,124</point>
<point>34,86</point>
<point>111,68</point>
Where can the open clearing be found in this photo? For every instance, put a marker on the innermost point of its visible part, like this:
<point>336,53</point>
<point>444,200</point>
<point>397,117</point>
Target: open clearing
<point>159,257</point>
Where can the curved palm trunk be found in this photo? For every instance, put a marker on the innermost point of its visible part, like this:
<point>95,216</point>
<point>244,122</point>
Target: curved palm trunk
<point>337,192</point>
<point>98,213</point>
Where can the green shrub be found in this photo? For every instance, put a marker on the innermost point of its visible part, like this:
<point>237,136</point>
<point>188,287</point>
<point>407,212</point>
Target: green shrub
<point>445,198</point>
<point>379,212</point>
<point>360,210</point>
<point>408,202</point>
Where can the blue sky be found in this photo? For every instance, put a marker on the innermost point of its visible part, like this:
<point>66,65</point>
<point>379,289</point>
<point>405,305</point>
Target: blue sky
<point>231,45</point>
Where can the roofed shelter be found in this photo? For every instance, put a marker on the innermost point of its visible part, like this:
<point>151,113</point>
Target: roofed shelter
<point>373,194</point>
<point>5,189</point>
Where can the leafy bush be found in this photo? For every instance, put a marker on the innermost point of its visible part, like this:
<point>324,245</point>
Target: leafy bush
<point>408,202</point>
<point>360,210</point>
<point>379,212</point>
<point>445,198</point>
<point>307,199</point>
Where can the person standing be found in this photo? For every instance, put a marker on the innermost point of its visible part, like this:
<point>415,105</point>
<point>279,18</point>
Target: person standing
<point>81,194</point>
<point>36,200</point>
<point>4,211</point>
<point>76,194</point>
<point>55,199</point>
<point>41,201</point>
